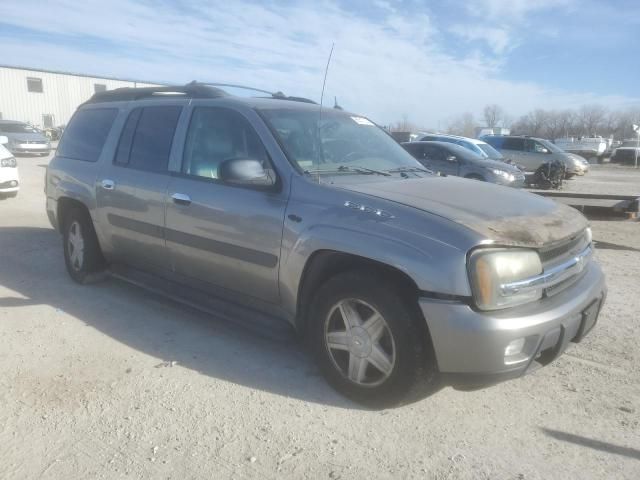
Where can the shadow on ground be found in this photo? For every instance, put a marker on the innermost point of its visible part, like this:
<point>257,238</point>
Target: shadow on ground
<point>31,265</point>
<point>594,444</point>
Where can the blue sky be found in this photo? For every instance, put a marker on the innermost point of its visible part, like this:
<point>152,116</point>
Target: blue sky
<point>428,61</point>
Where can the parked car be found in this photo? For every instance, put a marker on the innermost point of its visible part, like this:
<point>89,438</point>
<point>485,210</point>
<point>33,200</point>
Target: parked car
<point>24,138</point>
<point>626,153</point>
<point>531,152</point>
<point>451,159</point>
<point>474,145</point>
<point>263,211</point>
<point>9,179</point>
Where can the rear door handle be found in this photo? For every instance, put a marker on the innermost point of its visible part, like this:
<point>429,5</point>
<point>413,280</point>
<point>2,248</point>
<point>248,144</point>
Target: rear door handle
<point>108,184</point>
<point>181,199</point>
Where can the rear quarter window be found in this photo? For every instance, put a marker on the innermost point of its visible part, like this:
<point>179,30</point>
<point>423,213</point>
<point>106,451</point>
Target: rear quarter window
<point>86,134</point>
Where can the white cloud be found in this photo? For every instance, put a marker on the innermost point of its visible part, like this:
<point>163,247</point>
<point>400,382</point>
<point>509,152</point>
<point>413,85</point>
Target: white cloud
<point>498,39</point>
<point>384,68</point>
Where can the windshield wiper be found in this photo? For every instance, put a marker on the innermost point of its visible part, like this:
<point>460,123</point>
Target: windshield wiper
<point>354,169</point>
<point>409,169</point>
<point>359,169</point>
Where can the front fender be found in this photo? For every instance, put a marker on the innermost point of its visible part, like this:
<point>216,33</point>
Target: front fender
<point>432,265</point>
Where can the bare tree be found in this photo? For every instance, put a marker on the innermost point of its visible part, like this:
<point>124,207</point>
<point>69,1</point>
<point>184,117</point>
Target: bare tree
<point>592,118</point>
<point>493,115</point>
<point>464,125</point>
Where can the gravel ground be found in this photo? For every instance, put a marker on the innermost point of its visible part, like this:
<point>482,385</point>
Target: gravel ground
<point>109,381</point>
<point>612,179</point>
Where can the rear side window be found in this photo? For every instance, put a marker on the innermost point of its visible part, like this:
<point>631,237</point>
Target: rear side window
<point>145,143</point>
<point>513,144</point>
<point>86,134</point>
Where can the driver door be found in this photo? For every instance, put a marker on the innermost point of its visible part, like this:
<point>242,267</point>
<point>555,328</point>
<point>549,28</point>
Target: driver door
<point>222,236</point>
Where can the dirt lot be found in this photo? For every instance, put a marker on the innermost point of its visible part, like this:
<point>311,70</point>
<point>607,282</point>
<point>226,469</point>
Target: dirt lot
<point>109,381</point>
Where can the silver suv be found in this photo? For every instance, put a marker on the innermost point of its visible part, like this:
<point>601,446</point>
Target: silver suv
<point>272,211</point>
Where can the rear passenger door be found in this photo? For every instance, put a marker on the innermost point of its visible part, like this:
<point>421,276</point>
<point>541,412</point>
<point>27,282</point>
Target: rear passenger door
<point>224,238</point>
<point>131,189</point>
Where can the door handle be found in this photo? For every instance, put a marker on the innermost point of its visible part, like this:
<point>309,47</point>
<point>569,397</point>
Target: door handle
<point>181,199</point>
<point>108,184</point>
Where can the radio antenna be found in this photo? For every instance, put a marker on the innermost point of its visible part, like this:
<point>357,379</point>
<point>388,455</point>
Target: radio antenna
<point>324,82</point>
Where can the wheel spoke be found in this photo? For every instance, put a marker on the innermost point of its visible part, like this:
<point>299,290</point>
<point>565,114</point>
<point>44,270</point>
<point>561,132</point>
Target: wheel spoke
<point>338,340</point>
<point>349,314</point>
<point>357,368</point>
<point>374,326</point>
<point>379,359</point>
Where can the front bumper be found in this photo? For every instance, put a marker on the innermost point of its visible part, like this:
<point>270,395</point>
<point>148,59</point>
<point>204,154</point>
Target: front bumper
<point>470,345</point>
<point>9,180</point>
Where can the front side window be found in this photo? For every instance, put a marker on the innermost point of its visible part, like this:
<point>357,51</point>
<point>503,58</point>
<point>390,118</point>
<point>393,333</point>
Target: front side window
<point>336,142</point>
<point>86,134</point>
<point>34,84</point>
<point>145,142</point>
<point>534,146</point>
<point>216,135</point>
<point>434,154</point>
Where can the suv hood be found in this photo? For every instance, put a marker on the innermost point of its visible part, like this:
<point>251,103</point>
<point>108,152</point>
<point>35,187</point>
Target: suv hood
<point>502,214</point>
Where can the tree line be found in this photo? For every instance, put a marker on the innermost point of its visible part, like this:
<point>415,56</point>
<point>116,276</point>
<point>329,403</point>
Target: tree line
<point>551,124</point>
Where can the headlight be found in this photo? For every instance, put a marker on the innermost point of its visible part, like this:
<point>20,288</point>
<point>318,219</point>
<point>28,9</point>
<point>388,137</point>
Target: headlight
<point>490,269</point>
<point>8,162</point>
<point>506,175</point>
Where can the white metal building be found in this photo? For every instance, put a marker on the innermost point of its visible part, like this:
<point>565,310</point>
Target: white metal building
<point>48,99</point>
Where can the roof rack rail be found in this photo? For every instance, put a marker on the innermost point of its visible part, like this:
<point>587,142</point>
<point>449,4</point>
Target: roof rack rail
<point>277,95</point>
<point>190,90</point>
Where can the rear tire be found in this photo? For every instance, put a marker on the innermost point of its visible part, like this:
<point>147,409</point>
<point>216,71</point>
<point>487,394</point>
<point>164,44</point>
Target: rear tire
<point>382,359</point>
<point>82,255</point>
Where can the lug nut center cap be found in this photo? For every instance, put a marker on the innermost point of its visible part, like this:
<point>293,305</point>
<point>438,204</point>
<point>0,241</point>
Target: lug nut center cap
<point>359,342</point>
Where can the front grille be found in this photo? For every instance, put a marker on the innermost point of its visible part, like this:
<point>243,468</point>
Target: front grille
<point>557,253</point>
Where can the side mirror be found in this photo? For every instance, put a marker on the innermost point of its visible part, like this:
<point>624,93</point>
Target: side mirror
<point>452,158</point>
<point>544,150</point>
<point>245,171</point>
<point>4,139</point>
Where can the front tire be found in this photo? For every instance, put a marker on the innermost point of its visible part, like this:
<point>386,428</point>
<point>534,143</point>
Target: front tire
<point>82,255</point>
<point>370,342</point>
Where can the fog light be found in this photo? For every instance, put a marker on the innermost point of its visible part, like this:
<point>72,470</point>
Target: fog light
<point>13,183</point>
<point>514,348</point>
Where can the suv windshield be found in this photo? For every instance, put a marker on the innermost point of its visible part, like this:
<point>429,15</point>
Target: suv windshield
<point>490,151</point>
<point>340,142</point>
<point>17,128</point>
